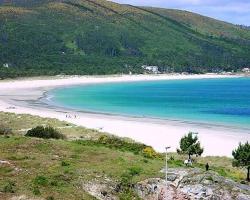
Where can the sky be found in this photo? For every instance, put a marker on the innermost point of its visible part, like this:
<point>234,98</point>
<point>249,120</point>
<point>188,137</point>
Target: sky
<point>234,11</point>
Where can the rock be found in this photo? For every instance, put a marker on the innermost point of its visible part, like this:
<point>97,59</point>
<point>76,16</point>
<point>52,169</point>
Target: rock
<point>191,183</point>
<point>243,197</point>
<point>148,191</point>
<point>209,192</point>
<point>4,162</point>
<point>172,177</point>
<point>102,190</point>
<point>23,197</point>
<point>215,197</point>
<point>104,193</point>
<point>207,182</point>
<point>55,157</point>
<point>226,196</point>
<point>148,187</point>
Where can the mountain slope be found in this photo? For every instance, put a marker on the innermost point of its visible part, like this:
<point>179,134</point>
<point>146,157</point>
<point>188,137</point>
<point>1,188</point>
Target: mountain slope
<point>51,37</point>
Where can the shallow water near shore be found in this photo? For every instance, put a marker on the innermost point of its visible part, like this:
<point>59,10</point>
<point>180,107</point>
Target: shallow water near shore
<point>214,101</point>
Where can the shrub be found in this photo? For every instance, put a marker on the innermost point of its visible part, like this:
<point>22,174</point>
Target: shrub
<point>65,163</point>
<point>210,178</point>
<point>9,188</point>
<point>41,180</point>
<point>126,180</point>
<point>119,143</point>
<point>126,185</point>
<point>54,183</point>
<point>123,145</point>
<point>45,132</point>
<point>149,152</point>
<point>135,170</point>
<point>177,163</point>
<point>5,131</point>
<point>36,191</point>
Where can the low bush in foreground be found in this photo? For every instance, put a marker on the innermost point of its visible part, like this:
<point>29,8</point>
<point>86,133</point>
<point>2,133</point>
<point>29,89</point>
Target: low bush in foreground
<point>5,131</point>
<point>44,132</point>
<point>122,145</point>
<point>41,180</point>
<point>119,143</point>
<point>9,187</point>
<point>149,152</point>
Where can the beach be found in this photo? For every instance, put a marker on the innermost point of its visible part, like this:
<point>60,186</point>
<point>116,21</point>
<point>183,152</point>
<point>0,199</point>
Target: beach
<point>24,97</point>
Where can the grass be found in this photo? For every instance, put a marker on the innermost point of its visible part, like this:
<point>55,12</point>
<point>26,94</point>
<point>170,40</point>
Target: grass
<point>20,124</point>
<point>221,165</point>
<point>58,169</point>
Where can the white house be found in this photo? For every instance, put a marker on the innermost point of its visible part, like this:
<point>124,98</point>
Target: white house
<point>246,70</point>
<point>6,65</point>
<point>151,69</point>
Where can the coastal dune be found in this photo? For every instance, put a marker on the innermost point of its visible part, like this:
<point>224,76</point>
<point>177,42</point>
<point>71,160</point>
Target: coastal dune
<point>23,97</point>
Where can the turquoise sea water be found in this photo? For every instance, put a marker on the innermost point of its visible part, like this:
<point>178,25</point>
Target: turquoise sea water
<point>216,101</point>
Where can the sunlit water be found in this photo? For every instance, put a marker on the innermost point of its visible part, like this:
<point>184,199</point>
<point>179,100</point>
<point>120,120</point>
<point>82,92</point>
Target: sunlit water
<point>213,101</point>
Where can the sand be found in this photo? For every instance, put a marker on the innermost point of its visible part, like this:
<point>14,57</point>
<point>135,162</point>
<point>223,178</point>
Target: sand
<point>22,97</point>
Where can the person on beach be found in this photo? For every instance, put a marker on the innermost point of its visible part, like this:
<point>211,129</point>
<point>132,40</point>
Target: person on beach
<point>207,167</point>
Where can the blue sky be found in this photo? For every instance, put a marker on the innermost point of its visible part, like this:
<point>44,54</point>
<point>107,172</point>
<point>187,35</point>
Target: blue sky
<point>234,11</point>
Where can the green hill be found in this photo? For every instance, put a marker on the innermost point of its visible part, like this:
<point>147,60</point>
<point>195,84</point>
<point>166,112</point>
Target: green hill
<point>50,37</point>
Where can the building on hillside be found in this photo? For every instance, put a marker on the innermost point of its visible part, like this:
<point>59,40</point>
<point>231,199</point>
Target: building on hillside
<point>151,69</point>
<point>246,70</point>
<point>6,65</point>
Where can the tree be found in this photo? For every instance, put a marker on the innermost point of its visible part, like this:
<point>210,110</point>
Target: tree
<point>190,145</point>
<point>242,157</point>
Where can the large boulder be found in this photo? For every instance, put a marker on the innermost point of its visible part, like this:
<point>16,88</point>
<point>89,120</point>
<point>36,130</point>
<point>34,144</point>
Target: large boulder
<point>192,183</point>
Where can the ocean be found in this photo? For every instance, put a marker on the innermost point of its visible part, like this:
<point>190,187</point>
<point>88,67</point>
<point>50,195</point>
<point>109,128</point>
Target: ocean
<point>223,101</point>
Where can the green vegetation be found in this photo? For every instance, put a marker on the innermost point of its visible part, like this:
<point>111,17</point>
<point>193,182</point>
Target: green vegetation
<point>190,145</point>
<point>242,157</point>
<point>5,131</point>
<point>222,165</point>
<point>44,132</point>
<point>100,37</point>
<point>124,145</point>
<point>20,124</point>
<point>9,187</point>
<point>60,169</point>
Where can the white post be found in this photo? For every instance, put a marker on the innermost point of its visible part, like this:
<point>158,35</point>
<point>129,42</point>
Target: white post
<point>166,171</point>
<point>166,166</point>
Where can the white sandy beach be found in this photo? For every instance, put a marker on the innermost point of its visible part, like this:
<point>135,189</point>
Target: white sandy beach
<point>217,140</point>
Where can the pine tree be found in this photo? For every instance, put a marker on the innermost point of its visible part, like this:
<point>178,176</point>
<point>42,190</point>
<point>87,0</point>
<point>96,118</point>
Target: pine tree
<point>190,145</point>
<point>242,157</point>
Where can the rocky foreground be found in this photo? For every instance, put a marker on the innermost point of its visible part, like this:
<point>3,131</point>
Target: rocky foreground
<point>192,184</point>
<point>183,184</point>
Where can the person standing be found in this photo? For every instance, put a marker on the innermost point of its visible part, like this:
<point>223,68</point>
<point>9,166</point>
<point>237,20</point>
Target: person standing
<point>207,167</point>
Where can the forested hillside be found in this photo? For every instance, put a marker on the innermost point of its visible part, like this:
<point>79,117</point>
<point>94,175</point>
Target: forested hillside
<point>50,37</point>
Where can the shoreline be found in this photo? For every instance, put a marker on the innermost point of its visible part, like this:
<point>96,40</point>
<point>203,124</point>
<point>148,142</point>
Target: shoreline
<point>25,96</point>
<point>44,102</point>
